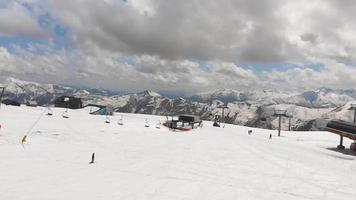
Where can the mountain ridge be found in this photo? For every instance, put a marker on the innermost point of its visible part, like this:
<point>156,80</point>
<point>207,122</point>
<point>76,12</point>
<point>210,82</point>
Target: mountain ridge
<point>252,108</point>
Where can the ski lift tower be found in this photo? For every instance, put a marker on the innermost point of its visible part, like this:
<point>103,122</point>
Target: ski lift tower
<point>1,94</point>
<point>290,116</point>
<point>353,107</point>
<point>172,109</point>
<point>223,107</point>
<point>280,114</point>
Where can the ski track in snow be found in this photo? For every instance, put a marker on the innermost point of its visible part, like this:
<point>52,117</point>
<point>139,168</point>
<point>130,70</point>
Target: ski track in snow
<point>135,162</point>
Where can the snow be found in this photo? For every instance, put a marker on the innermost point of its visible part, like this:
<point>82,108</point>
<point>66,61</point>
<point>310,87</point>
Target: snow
<point>134,162</point>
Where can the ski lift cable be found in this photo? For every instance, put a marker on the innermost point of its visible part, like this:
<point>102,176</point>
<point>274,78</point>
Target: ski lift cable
<point>36,122</point>
<point>135,117</point>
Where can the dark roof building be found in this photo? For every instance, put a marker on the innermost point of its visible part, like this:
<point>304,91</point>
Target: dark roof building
<point>10,102</point>
<point>68,102</point>
<point>189,118</point>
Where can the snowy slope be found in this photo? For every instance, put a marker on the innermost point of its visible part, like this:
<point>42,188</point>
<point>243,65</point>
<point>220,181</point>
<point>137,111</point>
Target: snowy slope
<point>134,162</point>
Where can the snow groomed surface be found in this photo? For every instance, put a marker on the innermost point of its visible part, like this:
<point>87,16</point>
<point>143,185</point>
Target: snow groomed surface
<point>137,162</point>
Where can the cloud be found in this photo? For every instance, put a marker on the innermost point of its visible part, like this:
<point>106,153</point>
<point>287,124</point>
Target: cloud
<point>238,31</point>
<point>309,37</point>
<point>227,30</point>
<point>186,45</point>
<point>16,21</point>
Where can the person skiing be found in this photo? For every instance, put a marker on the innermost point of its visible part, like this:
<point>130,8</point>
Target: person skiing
<point>92,158</point>
<point>24,139</point>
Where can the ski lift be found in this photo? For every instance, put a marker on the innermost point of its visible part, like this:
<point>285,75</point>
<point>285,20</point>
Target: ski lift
<point>201,124</point>
<point>158,125</point>
<point>217,121</point>
<point>107,119</point>
<point>49,111</point>
<point>147,124</point>
<point>120,122</point>
<point>65,114</point>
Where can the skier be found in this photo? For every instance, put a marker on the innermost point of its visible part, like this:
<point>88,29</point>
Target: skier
<point>23,139</point>
<point>92,158</point>
<point>270,136</point>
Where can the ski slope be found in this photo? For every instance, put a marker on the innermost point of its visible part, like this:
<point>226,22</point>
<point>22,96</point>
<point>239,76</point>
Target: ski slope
<point>134,162</point>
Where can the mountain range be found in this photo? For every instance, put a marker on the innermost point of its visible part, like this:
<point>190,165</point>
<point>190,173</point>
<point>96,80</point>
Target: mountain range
<point>310,109</point>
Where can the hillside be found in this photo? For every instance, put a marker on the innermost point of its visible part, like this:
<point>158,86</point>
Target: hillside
<point>134,162</point>
<point>310,109</point>
<point>45,94</point>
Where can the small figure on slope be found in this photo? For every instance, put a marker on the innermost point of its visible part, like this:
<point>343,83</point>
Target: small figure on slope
<point>92,158</point>
<point>23,140</point>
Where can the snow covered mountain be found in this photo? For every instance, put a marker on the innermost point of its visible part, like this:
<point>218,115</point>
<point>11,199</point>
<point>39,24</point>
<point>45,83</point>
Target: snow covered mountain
<point>262,97</point>
<point>323,98</point>
<point>254,108</point>
<point>241,113</point>
<point>45,94</point>
<point>320,98</point>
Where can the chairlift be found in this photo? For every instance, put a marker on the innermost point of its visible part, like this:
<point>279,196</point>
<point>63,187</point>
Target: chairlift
<point>158,125</point>
<point>217,121</point>
<point>49,112</point>
<point>147,124</point>
<point>107,119</point>
<point>120,122</point>
<point>65,114</point>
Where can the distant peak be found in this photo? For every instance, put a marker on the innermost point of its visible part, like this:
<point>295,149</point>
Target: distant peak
<point>324,89</point>
<point>149,93</point>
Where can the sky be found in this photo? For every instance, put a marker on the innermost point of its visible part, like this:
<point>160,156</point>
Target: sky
<point>180,46</point>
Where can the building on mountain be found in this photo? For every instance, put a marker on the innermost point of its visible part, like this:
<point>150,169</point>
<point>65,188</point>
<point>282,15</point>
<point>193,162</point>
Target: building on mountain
<point>184,122</point>
<point>68,102</point>
<point>10,102</point>
<point>189,119</point>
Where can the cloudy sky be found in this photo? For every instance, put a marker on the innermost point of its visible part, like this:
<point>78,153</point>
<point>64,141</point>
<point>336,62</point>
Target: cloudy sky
<point>186,46</point>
